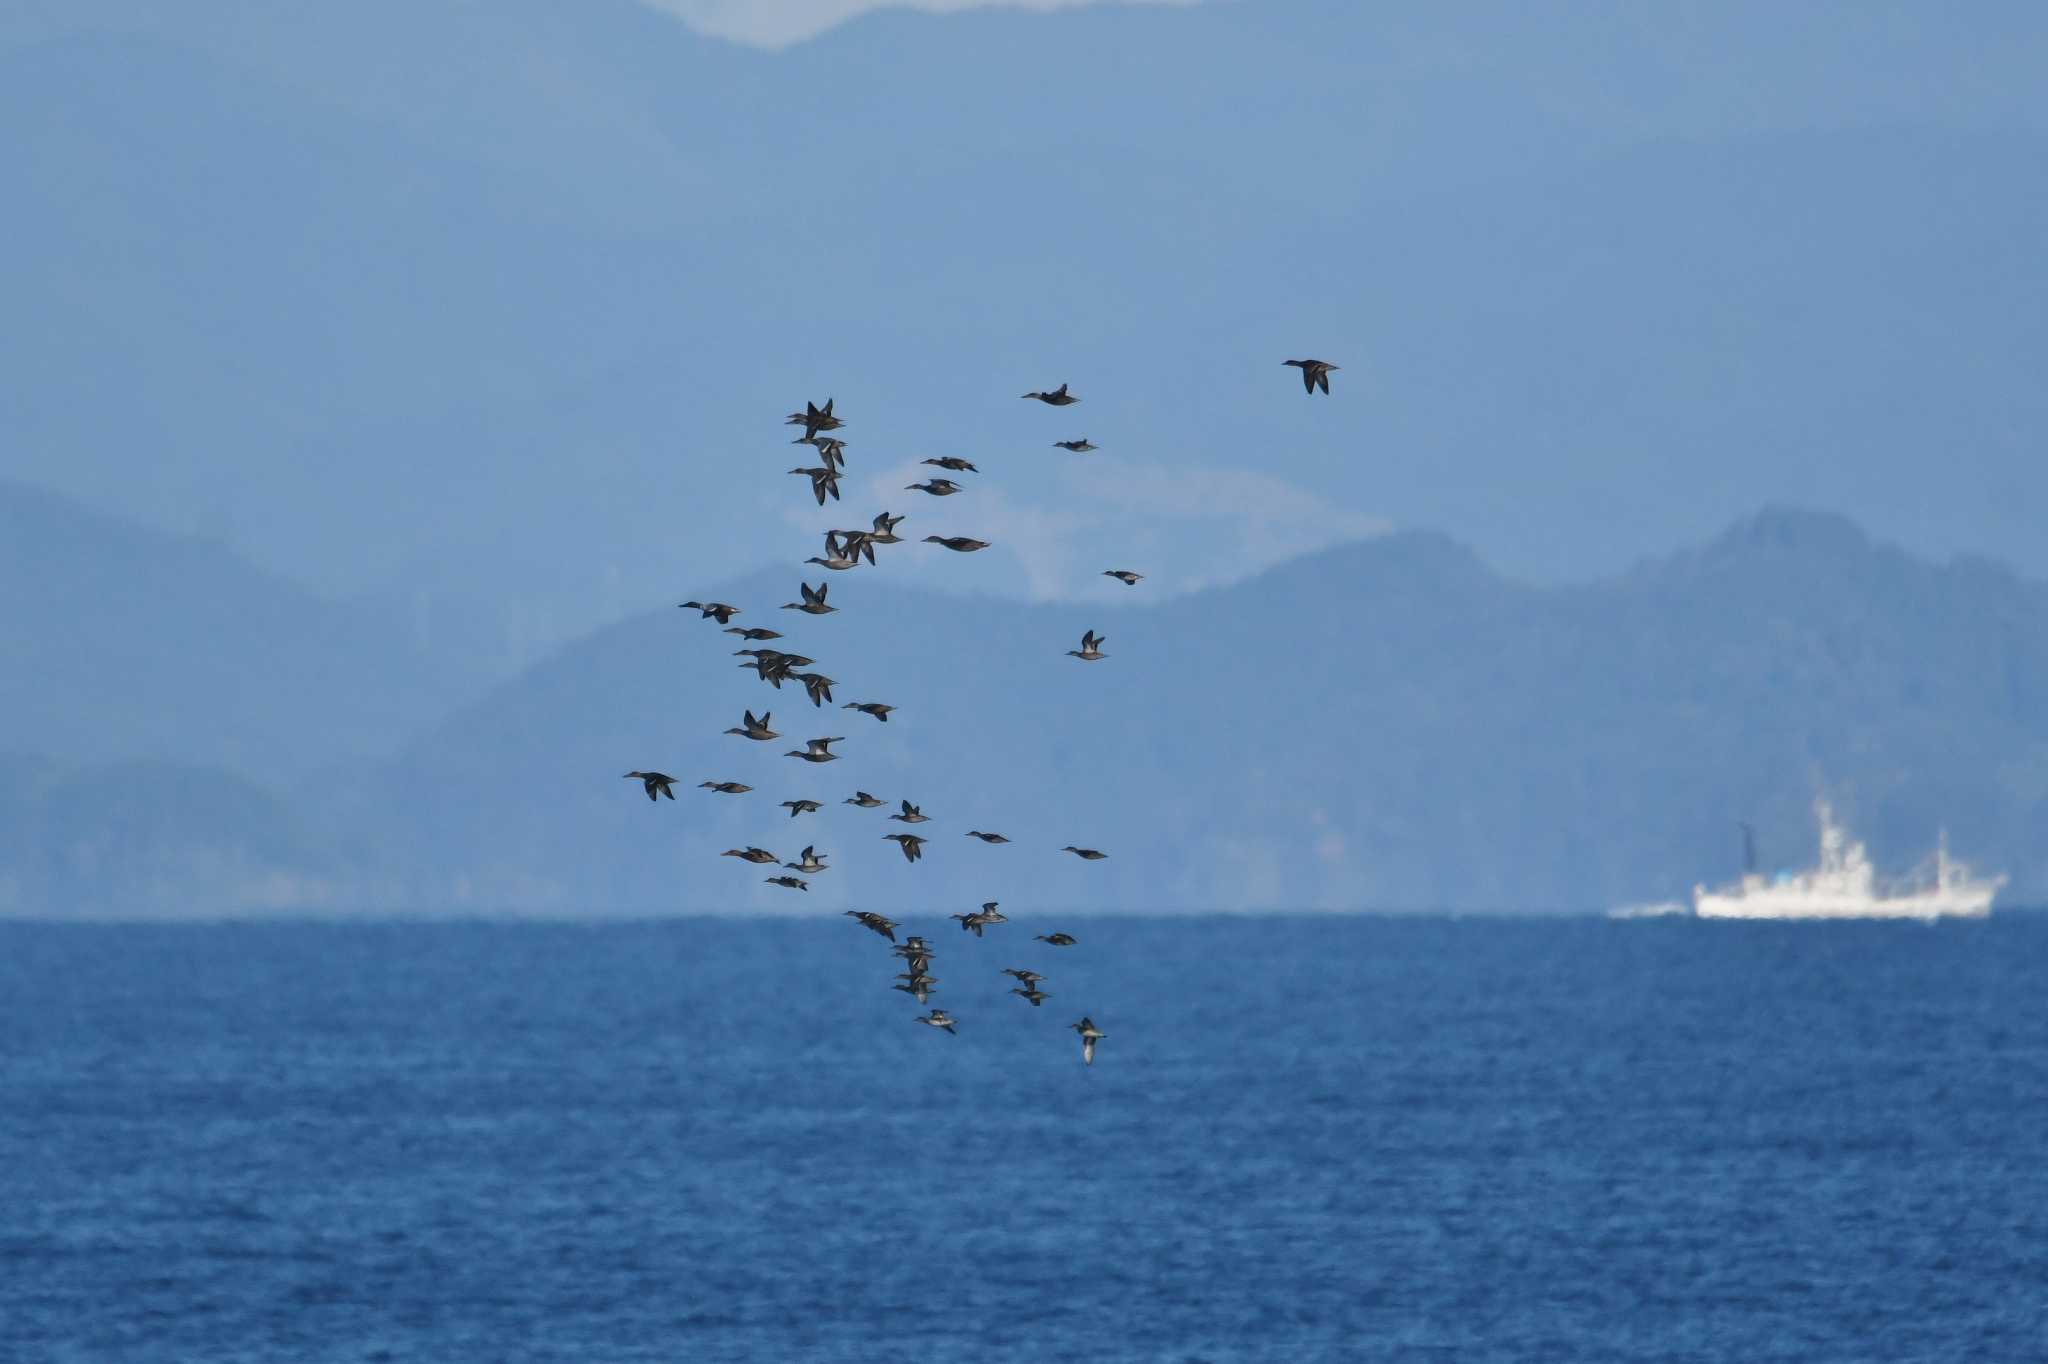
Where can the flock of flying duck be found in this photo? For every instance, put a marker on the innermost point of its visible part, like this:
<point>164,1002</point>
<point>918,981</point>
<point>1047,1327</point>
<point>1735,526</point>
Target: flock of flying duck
<point>847,549</point>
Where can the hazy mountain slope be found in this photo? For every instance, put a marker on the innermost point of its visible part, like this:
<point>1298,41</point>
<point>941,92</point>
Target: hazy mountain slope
<point>128,643</point>
<point>479,308</point>
<point>147,839</point>
<point>1166,744</point>
<point>1385,725</point>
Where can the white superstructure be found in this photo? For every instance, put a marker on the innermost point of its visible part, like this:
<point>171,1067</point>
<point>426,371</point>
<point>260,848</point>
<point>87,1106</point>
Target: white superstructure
<point>1845,886</point>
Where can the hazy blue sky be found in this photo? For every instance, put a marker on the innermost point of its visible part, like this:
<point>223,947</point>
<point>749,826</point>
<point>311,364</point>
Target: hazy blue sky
<point>777,23</point>
<point>492,311</point>
<point>359,355</point>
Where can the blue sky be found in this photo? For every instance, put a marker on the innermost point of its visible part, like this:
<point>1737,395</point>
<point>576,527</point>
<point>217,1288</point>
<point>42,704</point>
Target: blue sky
<point>480,321</point>
<point>778,23</point>
<point>492,311</point>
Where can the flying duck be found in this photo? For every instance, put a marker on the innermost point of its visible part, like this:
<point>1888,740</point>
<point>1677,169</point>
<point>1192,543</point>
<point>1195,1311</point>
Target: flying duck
<point>800,807</point>
<point>810,863</point>
<point>754,633</point>
<point>1314,373</point>
<point>1091,648</point>
<point>655,782</point>
<point>1090,1035</point>
<point>863,800</point>
<point>771,670</point>
<point>1026,977</point>
<point>879,709</point>
<point>991,915</point>
<point>912,845</point>
<point>952,463</point>
<point>758,856</point>
<point>969,921</point>
<point>815,750</point>
<point>938,487</point>
<point>911,814</point>
<point>869,919</point>
<point>1079,447</point>
<point>1085,854</point>
<point>772,665</point>
<point>832,451</point>
<point>884,532</point>
<point>711,610</point>
<point>794,883</point>
<point>1059,397</point>
<point>813,603</point>
<point>824,479</point>
<point>814,419</point>
<point>986,838</point>
<point>818,687</point>
<point>853,545</point>
<point>751,728</point>
<point>1055,939</point>
<point>728,788</point>
<point>1037,997</point>
<point>1123,575</point>
<point>918,988</point>
<point>959,544</point>
<point>773,658</point>
<point>938,1019</point>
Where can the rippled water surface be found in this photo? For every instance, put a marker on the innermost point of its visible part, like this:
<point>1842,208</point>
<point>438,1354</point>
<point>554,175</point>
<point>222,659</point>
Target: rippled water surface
<point>1304,1138</point>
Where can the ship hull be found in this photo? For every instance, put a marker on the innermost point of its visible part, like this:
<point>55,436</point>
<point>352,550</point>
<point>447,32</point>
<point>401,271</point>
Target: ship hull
<point>1845,886</point>
<point>1765,905</point>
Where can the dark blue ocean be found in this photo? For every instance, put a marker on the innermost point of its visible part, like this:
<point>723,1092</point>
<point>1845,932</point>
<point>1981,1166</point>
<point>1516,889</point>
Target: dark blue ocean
<point>1304,1138</point>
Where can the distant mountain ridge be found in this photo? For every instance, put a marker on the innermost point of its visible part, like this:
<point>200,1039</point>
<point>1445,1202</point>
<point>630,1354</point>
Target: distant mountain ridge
<point>474,304</point>
<point>130,643</point>
<point>1387,725</point>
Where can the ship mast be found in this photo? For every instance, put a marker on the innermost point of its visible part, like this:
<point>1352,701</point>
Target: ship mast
<point>1832,838</point>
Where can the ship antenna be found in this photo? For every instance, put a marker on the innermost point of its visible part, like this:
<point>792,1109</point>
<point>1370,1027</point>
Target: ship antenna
<point>1748,846</point>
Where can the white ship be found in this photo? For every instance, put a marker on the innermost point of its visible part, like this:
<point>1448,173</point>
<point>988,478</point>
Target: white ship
<point>1845,886</point>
